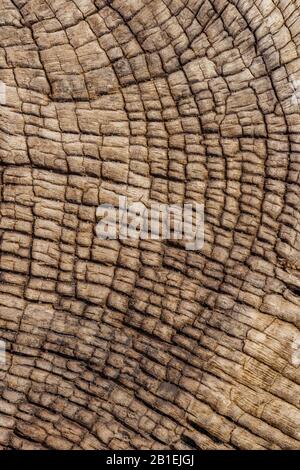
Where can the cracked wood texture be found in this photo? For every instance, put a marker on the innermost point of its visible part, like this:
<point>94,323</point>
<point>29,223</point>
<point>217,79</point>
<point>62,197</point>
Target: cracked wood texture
<point>142,344</point>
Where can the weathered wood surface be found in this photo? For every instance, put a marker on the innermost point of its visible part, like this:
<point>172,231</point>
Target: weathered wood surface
<point>141,345</point>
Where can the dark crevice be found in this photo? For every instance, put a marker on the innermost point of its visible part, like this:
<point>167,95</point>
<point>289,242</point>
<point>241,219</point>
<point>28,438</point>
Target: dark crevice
<point>294,289</point>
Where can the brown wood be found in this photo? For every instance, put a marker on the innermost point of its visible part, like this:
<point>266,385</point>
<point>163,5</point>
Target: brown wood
<point>142,344</point>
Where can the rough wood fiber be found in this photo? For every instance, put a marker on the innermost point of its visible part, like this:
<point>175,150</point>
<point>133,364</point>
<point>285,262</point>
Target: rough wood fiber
<point>141,344</point>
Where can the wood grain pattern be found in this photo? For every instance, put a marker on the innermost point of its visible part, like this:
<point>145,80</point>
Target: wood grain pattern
<point>142,344</point>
